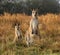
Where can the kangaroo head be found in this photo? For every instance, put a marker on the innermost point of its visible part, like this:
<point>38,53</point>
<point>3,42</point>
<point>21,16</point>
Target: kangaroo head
<point>17,25</point>
<point>34,13</point>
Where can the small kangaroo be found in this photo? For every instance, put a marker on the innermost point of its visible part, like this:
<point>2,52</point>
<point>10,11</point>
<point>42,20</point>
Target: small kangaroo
<point>18,34</point>
<point>28,37</point>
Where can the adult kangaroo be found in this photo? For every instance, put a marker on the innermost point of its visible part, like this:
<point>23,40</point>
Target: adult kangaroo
<point>33,28</point>
<point>34,22</point>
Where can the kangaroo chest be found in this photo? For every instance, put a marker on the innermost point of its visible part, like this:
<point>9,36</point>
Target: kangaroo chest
<point>17,32</point>
<point>34,23</point>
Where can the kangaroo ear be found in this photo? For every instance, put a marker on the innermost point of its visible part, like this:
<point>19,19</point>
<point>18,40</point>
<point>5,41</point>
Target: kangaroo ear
<point>18,24</point>
<point>36,9</point>
<point>31,9</point>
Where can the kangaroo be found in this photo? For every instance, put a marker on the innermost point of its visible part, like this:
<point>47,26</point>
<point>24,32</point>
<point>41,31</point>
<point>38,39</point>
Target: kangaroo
<point>18,34</point>
<point>34,22</point>
<point>28,37</point>
<point>33,29</point>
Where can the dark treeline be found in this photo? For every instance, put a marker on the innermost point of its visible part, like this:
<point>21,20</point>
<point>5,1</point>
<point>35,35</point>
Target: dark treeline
<point>43,6</point>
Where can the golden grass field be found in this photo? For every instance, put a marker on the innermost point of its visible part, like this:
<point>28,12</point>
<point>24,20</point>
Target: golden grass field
<point>49,29</point>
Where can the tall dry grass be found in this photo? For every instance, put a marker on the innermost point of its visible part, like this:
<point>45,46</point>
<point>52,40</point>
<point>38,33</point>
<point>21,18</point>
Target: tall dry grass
<point>49,28</point>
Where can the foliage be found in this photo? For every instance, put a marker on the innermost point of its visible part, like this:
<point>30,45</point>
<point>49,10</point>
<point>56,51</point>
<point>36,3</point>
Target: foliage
<point>43,6</point>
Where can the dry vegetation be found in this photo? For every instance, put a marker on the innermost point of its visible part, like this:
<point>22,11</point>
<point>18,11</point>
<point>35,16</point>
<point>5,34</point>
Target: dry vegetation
<point>49,28</point>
